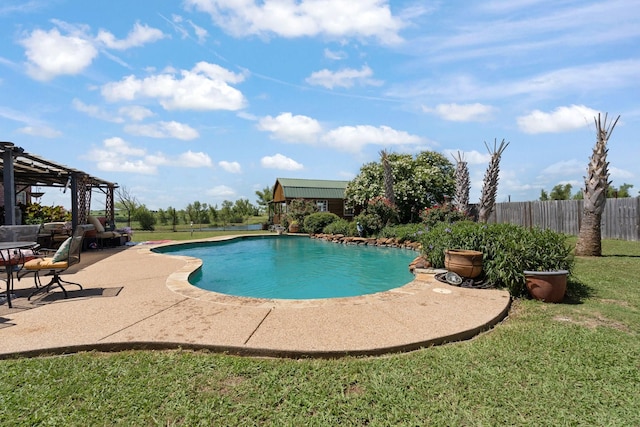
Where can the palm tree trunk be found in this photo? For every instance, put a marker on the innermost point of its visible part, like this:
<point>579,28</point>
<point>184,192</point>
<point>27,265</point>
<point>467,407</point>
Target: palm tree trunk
<point>590,239</point>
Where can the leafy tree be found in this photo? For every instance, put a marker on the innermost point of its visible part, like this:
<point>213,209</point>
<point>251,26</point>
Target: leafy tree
<point>561,192</point>
<point>226,212</point>
<point>145,218</point>
<point>213,214</point>
<point>195,212</point>
<point>418,183</point>
<point>299,209</point>
<point>264,197</point>
<point>162,216</point>
<point>619,193</point>
<point>243,209</point>
<point>172,215</point>
<point>544,196</point>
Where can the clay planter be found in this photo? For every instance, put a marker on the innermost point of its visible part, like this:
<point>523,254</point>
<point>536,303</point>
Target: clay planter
<point>465,263</point>
<point>547,286</point>
<point>294,227</point>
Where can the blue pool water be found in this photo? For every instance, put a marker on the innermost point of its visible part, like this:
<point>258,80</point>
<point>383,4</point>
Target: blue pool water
<point>289,267</point>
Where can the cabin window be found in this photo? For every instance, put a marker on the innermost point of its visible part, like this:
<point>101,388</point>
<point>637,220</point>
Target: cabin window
<point>348,210</point>
<point>323,205</point>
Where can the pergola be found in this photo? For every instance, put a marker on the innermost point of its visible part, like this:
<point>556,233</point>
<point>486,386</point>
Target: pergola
<point>22,170</point>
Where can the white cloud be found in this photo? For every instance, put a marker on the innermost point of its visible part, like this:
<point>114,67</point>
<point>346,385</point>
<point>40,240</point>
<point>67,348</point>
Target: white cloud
<point>50,54</point>
<point>138,36</point>
<point>117,155</point>
<point>462,112</point>
<point>204,87</point>
<point>472,157</point>
<point>566,167</point>
<point>346,78</point>
<point>562,119</point>
<point>354,138</point>
<point>135,112</point>
<point>170,129</point>
<point>304,18</point>
<point>95,111</point>
<point>278,161</point>
<point>42,131</point>
<point>335,55</point>
<point>290,128</point>
<point>221,191</point>
<point>194,160</point>
<point>620,175</point>
<point>231,167</point>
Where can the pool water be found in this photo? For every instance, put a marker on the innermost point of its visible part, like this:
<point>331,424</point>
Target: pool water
<point>289,267</point>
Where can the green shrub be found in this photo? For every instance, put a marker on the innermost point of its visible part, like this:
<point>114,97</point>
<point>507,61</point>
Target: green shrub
<point>316,222</point>
<point>146,219</point>
<point>403,232</point>
<point>447,213</point>
<point>341,226</point>
<point>508,250</point>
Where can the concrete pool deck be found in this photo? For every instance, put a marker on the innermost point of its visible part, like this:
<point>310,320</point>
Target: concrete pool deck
<point>134,298</point>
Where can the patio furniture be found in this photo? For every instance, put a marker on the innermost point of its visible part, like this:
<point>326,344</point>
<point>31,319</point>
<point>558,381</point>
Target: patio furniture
<point>103,235</point>
<point>65,256</point>
<point>12,256</point>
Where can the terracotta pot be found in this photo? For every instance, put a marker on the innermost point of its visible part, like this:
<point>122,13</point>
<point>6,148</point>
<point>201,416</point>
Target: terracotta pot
<point>547,286</point>
<point>465,263</point>
<point>294,227</point>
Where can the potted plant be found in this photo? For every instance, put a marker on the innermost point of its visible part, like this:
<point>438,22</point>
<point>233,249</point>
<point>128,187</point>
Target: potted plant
<point>547,262</point>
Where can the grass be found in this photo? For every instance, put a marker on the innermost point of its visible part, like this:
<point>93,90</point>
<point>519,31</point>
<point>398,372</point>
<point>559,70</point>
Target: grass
<point>576,363</point>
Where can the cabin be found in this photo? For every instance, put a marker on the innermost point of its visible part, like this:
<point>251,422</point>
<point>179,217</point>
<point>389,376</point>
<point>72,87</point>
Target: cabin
<point>328,195</point>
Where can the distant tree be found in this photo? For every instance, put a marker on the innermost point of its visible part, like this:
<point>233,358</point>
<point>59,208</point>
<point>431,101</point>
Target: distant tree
<point>561,192</point>
<point>213,214</point>
<point>145,218</point>
<point>619,193</point>
<point>264,197</point>
<point>544,196</point>
<point>126,202</point>
<point>243,208</point>
<point>172,215</point>
<point>162,216</point>
<point>195,212</point>
<point>226,212</point>
<point>595,192</point>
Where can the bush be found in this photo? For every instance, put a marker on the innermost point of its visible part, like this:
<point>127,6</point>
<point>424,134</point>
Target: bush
<point>341,226</point>
<point>404,232</point>
<point>508,250</point>
<point>146,219</point>
<point>316,222</point>
<point>447,213</point>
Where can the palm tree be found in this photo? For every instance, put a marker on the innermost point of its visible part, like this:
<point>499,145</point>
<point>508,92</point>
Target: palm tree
<point>595,192</point>
<point>388,177</point>
<point>490,184</point>
<point>463,184</point>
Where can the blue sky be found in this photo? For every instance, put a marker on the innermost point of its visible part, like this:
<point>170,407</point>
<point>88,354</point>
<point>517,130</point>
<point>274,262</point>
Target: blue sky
<point>211,100</point>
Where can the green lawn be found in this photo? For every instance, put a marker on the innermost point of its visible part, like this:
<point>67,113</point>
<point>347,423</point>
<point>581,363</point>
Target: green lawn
<point>576,363</point>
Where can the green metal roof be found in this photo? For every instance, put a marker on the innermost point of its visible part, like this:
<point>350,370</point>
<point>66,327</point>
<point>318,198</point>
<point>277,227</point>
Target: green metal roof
<point>312,188</point>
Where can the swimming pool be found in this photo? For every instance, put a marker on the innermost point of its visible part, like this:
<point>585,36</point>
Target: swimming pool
<point>294,267</point>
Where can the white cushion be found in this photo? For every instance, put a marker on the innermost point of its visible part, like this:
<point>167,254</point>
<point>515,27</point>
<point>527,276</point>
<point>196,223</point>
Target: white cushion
<point>96,223</point>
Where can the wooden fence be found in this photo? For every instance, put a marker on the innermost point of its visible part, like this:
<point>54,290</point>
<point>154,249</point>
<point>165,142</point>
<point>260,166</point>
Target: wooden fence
<point>620,220</point>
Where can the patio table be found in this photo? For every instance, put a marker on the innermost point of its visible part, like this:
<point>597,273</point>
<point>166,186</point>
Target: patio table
<point>10,263</point>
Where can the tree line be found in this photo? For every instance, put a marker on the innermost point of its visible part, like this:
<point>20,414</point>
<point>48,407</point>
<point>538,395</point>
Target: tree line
<point>563,192</point>
<point>195,214</point>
